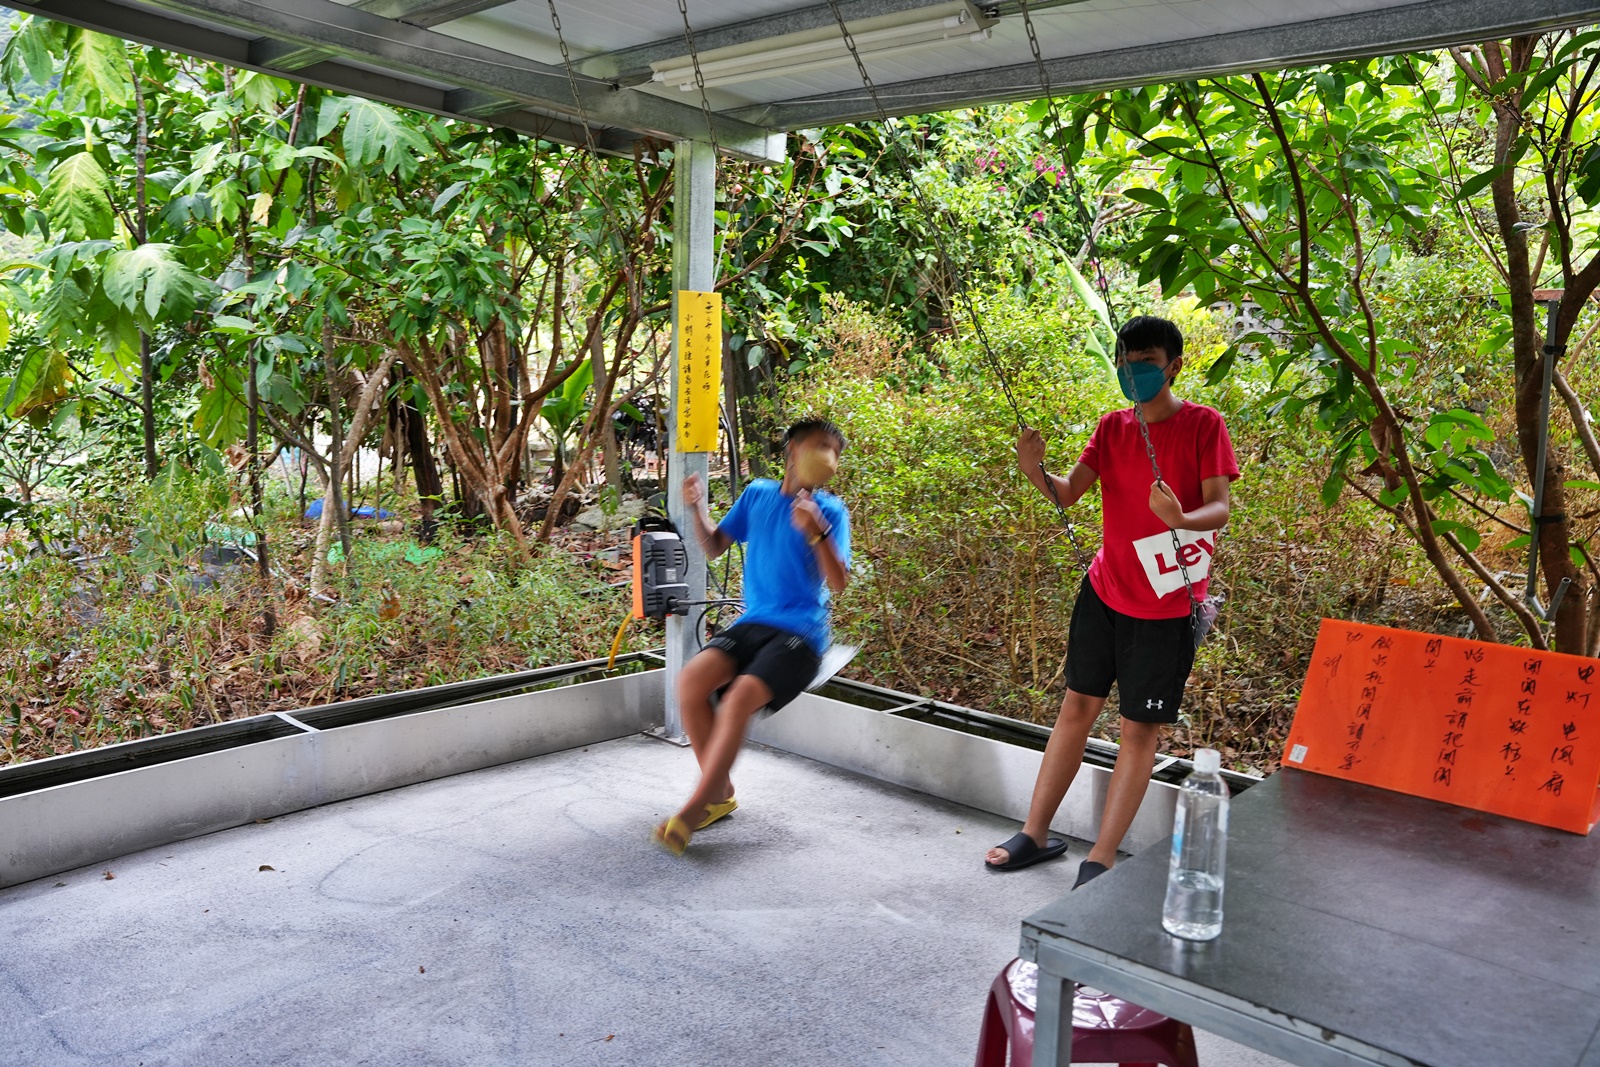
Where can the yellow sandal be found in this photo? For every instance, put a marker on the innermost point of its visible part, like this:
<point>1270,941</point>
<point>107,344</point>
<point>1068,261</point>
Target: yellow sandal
<point>717,812</point>
<point>673,835</point>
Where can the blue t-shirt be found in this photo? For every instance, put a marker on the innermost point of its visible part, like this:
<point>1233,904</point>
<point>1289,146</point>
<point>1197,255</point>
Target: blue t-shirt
<point>783,584</point>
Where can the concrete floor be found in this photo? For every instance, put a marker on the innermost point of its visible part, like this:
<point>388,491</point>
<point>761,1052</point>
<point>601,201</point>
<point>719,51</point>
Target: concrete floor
<point>519,915</point>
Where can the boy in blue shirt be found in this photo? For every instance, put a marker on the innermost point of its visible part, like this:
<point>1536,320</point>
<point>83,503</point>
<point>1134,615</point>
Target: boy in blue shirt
<point>797,553</point>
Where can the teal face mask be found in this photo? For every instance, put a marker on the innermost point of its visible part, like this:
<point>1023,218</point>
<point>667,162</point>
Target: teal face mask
<point>1141,382</point>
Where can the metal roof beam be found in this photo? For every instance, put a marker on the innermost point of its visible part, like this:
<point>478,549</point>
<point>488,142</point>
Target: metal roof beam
<point>283,56</point>
<point>406,50</point>
<point>1413,27</point>
<point>429,12</point>
<point>631,66</point>
<point>162,32</point>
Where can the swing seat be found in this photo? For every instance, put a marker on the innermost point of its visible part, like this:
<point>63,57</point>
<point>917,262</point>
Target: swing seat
<point>1105,1029</point>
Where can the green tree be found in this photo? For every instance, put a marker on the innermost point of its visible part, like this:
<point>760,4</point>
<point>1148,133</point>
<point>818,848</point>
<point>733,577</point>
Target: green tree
<point>1297,193</point>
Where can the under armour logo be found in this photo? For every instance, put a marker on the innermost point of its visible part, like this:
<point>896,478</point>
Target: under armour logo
<point>1157,704</point>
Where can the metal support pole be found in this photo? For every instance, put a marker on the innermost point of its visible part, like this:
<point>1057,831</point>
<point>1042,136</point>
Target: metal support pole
<point>1052,1021</point>
<point>1530,594</point>
<point>694,208</point>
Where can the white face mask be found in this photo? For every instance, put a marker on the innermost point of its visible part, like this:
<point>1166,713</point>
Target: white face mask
<point>815,467</point>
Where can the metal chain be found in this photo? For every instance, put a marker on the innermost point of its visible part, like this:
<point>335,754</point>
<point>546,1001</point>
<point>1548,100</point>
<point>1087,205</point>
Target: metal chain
<point>935,219</point>
<point>699,79</point>
<point>629,281</point>
<point>1120,356</point>
<point>711,125</point>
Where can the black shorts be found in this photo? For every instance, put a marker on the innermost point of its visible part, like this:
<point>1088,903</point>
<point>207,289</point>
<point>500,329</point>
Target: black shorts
<point>785,661</point>
<point>1149,659</point>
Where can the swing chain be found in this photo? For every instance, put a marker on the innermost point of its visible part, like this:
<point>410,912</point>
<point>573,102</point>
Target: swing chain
<point>572,79</point>
<point>1195,609</point>
<point>629,280</point>
<point>699,81</point>
<point>935,219</point>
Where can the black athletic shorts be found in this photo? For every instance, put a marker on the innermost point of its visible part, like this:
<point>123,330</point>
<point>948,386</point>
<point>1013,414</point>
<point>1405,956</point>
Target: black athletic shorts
<point>785,661</point>
<point>1149,659</point>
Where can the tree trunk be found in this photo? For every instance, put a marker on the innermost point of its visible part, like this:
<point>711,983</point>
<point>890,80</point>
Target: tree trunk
<point>332,499</point>
<point>147,406</point>
<point>608,431</point>
<point>430,488</point>
<point>730,409</point>
<point>269,621</point>
<point>1551,538</point>
<point>558,459</point>
<point>753,436</point>
<point>147,378</point>
<point>341,450</point>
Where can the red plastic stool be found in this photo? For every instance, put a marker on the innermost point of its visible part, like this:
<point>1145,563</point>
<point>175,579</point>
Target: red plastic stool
<point>1104,1029</point>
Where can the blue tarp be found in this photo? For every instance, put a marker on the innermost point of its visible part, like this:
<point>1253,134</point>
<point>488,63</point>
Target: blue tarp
<point>314,511</point>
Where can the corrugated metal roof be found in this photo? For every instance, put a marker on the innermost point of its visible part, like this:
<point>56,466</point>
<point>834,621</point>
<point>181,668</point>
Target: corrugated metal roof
<point>499,60</point>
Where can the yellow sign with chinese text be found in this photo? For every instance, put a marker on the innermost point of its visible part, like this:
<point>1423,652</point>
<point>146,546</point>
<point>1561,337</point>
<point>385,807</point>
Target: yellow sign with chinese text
<point>699,370</point>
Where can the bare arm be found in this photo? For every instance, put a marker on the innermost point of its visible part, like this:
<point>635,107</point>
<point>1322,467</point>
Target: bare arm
<point>808,519</point>
<point>1211,515</point>
<point>1030,460</point>
<point>713,542</point>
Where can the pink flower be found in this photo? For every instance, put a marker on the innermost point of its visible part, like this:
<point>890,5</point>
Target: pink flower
<point>1038,216</point>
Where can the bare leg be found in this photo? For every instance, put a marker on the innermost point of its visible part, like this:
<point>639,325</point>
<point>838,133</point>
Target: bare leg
<point>1136,758</point>
<point>1063,755</point>
<point>744,698</point>
<point>703,675</point>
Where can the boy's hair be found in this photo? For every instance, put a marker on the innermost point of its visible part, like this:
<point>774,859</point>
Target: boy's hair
<point>813,425</point>
<point>1144,332</point>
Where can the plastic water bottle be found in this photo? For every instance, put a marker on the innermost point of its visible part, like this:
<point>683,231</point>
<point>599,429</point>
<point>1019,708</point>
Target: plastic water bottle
<point>1199,852</point>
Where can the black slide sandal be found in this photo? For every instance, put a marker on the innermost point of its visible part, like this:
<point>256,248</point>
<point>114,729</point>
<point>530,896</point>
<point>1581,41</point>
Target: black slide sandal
<point>1088,871</point>
<point>1024,853</point>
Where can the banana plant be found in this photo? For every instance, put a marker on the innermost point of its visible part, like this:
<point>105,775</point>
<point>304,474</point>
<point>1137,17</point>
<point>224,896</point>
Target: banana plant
<point>563,411</point>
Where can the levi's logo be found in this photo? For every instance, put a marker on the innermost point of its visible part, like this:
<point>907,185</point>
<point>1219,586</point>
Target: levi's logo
<point>1161,563</point>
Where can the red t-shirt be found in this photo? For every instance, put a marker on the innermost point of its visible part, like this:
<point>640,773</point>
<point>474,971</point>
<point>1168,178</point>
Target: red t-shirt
<point>1135,571</point>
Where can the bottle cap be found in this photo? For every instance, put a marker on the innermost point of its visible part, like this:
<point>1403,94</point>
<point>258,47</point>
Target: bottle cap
<point>1207,761</point>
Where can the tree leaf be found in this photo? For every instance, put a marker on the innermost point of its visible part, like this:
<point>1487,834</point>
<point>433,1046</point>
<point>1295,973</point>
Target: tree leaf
<point>448,195</point>
<point>97,66</point>
<point>1091,299</point>
<point>374,132</point>
<point>1469,537</point>
<point>31,52</point>
<point>259,91</point>
<point>1334,484</point>
<point>260,207</point>
<point>150,281</point>
<point>222,415</point>
<point>42,381</point>
<point>77,199</point>
<point>1146,196</point>
<point>1224,363</point>
<point>330,112</point>
<point>1479,182</point>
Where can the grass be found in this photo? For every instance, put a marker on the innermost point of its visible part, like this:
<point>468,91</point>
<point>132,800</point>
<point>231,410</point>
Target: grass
<point>124,645</point>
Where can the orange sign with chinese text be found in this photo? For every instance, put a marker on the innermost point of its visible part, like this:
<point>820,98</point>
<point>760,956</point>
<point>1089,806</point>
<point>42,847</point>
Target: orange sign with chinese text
<point>1496,728</point>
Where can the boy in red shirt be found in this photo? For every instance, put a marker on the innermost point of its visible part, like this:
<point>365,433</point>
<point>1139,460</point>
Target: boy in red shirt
<point>1131,624</point>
